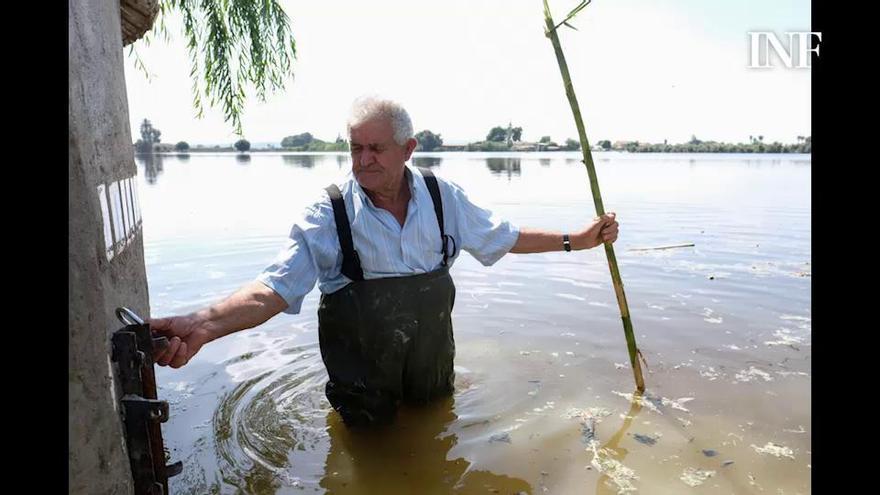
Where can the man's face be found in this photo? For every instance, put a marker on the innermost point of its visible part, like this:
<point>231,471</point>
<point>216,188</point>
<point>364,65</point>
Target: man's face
<point>377,160</point>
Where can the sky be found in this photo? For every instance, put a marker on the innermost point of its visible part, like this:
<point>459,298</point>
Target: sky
<point>643,70</point>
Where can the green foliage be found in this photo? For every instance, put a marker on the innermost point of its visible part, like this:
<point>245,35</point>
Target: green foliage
<point>516,133</point>
<point>182,146</point>
<point>242,145</point>
<point>573,145</point>
<point>804,145</point>
<point>307,142</point>
<point>428,141</point>
<point>488,146</point>
<point>233,46</point>
<point>497,134</point>
<point>297,140</point>
<point>149,136</point>
<point>500,134</point>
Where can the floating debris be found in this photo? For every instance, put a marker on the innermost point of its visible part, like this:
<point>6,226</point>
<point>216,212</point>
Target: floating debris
<point>711,374</point>
<point>695,477</point>
<point>588,430</point>
<point>752,374</point>
<point>500,437</point>
<point>674,246</point>
<point>774,450</point>
<point>795,318</point>
<point>645,439</point>
<point>288,479</point>
<point>753,481</point>
<point>591,412</point>
<point>684,422</point>
<point>785,338</point>
<point>708,314</point>
<point>547,405</point>
<point>620,366</point>
<point>709,453</point>
<point>801,430</point>
<point>589,418</point>
<point>792,373</point>
<point>726,463</point>
<point>654,403</point>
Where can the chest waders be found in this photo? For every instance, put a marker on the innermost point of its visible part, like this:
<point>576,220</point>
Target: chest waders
<point>386,340</point>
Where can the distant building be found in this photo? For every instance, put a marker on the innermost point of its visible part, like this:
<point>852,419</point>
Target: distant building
<point>523,146</point>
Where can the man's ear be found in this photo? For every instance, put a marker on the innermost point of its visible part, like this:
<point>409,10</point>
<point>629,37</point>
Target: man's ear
<point>410,146</point>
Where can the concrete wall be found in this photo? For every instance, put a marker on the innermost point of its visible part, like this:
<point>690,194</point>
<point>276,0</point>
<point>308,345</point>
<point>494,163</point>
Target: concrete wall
<point>99,279</point>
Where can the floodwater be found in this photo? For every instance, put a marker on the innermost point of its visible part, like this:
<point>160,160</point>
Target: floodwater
<point>543,400</point>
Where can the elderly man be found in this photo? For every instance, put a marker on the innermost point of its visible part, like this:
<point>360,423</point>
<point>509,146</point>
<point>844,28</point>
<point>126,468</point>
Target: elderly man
<point>380,243</point>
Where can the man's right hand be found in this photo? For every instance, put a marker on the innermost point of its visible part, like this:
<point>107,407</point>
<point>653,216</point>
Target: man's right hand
<point>186,335</point>
<point>250,306</point>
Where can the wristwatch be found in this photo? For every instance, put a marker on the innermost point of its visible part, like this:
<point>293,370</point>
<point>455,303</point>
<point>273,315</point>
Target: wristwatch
<point>566,242</point>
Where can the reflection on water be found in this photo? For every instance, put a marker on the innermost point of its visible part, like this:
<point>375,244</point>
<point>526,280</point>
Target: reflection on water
<point>306,161</point>
<point>410,456</point>
<point>243,158</point>
<point>538,334</point>
<point>426,161</point>
<point>614,478</point>
<point>152,163</point>
<point>342,161</point>
<point>504,166</point>
<point>274,431</point>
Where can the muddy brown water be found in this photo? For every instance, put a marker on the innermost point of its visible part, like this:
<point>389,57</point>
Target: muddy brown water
<point>543,390</point>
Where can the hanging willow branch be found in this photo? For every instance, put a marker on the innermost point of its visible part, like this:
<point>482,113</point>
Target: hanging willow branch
<point>233,46</point>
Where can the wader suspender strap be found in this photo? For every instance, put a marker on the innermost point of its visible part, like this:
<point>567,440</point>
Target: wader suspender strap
<point>351,263</point>
<point>431,182</point>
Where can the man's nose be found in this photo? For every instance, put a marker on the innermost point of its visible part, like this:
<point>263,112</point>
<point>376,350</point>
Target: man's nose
<point>367,157</point>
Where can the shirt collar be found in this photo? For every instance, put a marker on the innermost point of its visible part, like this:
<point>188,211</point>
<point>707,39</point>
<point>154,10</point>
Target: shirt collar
<point>360,198</point>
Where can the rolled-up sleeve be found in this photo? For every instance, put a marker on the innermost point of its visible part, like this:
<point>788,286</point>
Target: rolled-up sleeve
<point>294,271</point>
<point>484,235</point>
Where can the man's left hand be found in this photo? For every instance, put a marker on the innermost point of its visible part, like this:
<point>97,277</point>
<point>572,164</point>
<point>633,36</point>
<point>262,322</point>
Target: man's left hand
<point>603,229</point>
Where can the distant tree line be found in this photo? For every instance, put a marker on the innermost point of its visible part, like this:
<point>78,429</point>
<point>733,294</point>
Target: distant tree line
<point>498,139</point>
<point>307,142</point>
<point>756,145</point>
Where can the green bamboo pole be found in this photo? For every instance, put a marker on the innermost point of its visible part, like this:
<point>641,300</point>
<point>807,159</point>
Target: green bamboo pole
<point>597,197</point>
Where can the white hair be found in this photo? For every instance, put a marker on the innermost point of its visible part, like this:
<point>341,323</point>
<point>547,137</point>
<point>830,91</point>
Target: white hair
<point>368,108</point>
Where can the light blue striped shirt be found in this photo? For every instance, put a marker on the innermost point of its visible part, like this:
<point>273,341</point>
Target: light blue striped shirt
<point>386,249</point>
